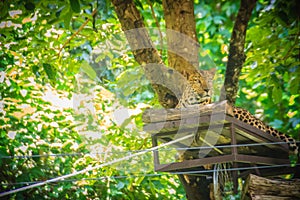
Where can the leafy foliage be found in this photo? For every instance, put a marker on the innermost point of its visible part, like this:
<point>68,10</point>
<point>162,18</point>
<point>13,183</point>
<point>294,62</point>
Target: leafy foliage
<point>45,46</point>
<point>40,140</point>
<point>272,73</point>
<point>31,130</point>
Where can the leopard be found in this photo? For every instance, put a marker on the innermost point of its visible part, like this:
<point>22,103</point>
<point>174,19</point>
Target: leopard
<point>199,92</point>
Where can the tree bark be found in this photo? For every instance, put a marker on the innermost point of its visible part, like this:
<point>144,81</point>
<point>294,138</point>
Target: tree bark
<point>146,54</point>
<point>183,49</point>
<point>236,56</point>
<point>196,188</point>
<point>183,46</point>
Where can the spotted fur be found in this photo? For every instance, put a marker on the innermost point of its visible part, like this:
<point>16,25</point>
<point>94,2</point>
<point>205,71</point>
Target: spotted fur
<point>245,116</point>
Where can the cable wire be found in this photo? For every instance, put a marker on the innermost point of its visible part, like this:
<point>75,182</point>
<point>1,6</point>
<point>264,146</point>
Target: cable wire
<point>160,174</point>
<point>136,151</point>
<point>92,179</point>
<point>89,168</point>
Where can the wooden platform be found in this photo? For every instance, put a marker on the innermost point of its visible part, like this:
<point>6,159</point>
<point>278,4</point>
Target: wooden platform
<point>220,138</point>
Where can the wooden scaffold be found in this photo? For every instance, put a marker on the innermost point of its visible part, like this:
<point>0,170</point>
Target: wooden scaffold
<point>221,139</point>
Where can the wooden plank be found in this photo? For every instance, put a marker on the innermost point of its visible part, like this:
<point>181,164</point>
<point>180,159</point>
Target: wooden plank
<point>261,160</point>
<point>155,153</point>
<point>257,187</point>
<point>162,115</point>
<point>186,123</point>
<point>187,164</point>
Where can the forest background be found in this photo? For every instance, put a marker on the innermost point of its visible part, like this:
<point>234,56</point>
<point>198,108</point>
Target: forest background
<point>72,95</point>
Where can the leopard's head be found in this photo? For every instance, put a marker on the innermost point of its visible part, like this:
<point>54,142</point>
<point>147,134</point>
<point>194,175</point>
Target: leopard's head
<point>199,91</point>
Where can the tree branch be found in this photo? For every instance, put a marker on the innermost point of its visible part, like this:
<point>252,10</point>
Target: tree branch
<point>183,46</point>
<point>145,52</point>
<point>158,26</point>
<point>236,56</point>
<point>77,32</point>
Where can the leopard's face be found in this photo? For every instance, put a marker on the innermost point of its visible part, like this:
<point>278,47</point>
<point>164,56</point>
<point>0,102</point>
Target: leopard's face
<point>198,92</point>
<point>199,89</point>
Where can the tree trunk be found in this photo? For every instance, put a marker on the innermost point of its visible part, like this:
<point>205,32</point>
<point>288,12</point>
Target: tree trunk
<point>183,46</point>
<point>236,56</point>
<point>145,52</point>
<point>196,188</point>
<point>183,50</point>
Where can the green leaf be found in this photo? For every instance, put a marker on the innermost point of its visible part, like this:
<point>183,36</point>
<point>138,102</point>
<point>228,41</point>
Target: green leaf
<point>51,72</point>
<point>67,18</point>
<point>120,185</point>
<point>218,19</point>
<point>139,180</point>
<point>276,94</point>
<point>130,80</point>
<point>3,152</point>
<point>86,68</point>
<point>36,172</point>
<point>35,70</point>
<point>294,86</point>
<point>276,123</point>
<point>75,5</point>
